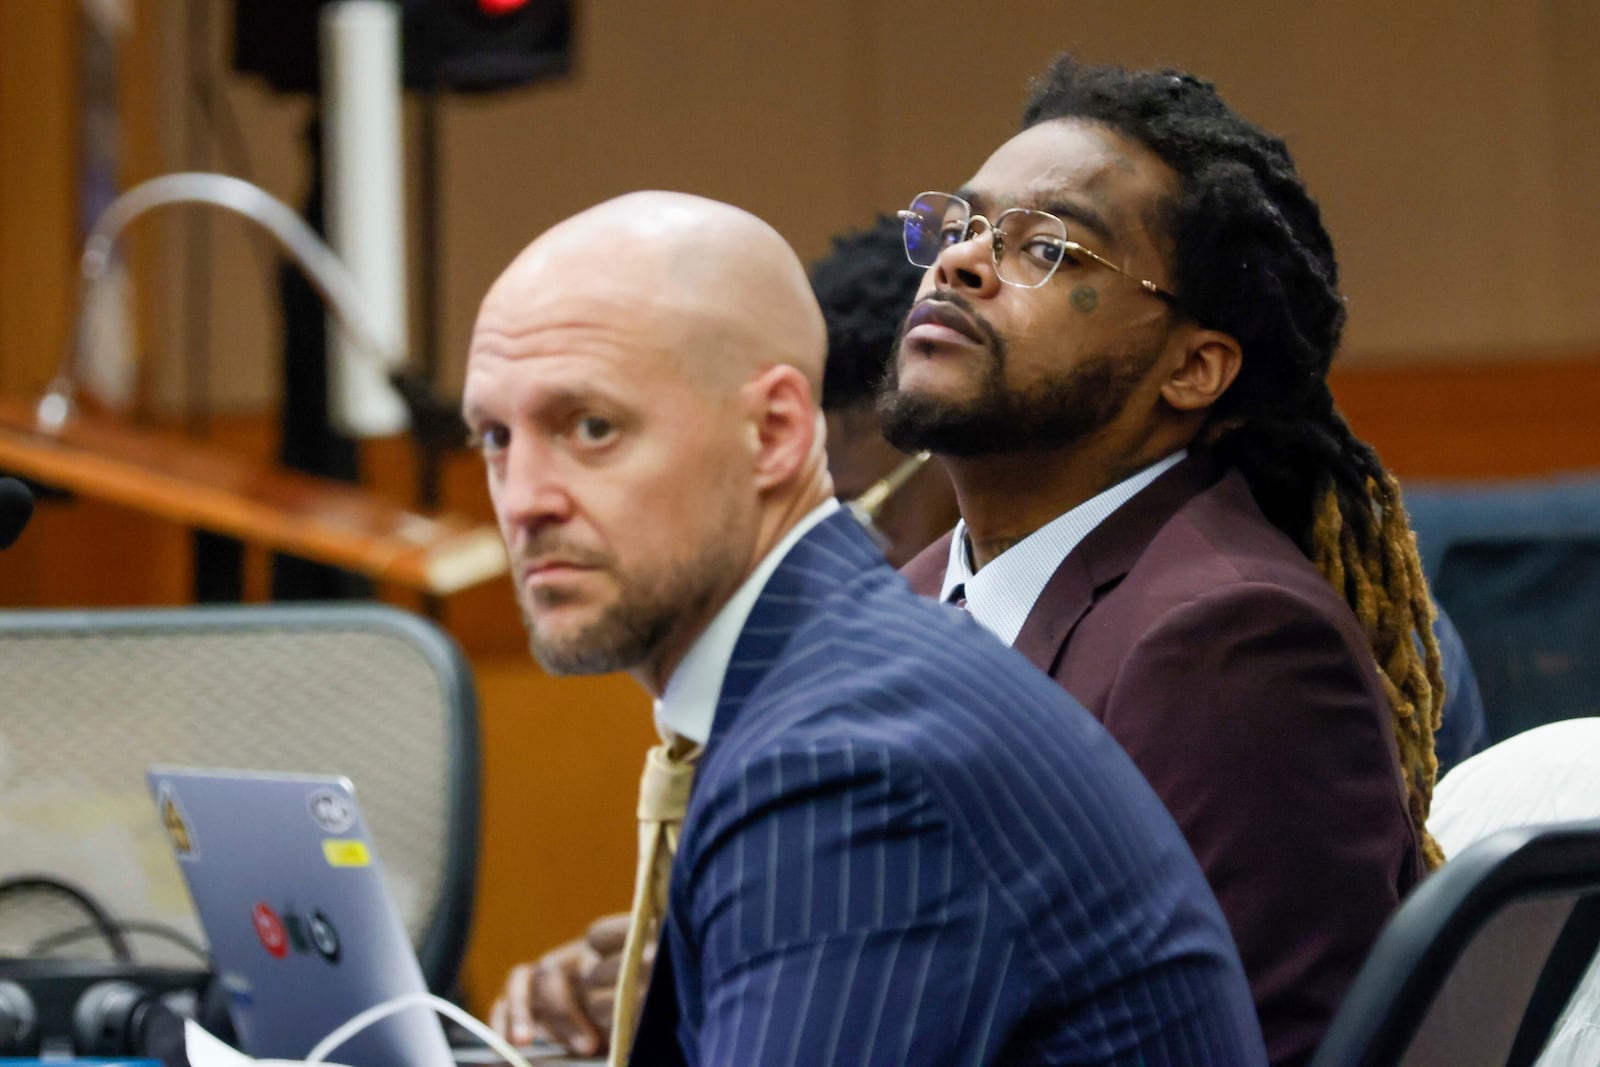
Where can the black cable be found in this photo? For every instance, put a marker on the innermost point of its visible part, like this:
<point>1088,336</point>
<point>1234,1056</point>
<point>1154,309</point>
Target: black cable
<point>197,235</point>
<point>218,564</point>
<point>207,93</point>
<point>215,105</point>
<point>97,915</point>
<point>143,927</point>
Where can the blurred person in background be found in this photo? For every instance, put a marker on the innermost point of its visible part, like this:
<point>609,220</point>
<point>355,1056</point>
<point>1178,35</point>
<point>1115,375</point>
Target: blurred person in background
<point>865,288</point>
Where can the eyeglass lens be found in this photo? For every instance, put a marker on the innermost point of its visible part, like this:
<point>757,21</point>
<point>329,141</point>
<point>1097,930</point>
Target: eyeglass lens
<point>1028,249</point>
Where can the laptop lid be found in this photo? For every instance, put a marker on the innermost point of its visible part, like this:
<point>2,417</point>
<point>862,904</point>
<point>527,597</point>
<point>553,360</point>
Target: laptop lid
<point>303,934</point>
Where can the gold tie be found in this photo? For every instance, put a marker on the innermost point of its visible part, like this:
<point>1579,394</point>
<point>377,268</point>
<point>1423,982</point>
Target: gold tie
<point>663,800</point>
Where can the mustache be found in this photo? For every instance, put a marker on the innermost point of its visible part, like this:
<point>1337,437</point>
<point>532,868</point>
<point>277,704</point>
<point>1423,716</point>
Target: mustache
<point>991,336</point>
<point>542,547</point>
<point>890,379</point>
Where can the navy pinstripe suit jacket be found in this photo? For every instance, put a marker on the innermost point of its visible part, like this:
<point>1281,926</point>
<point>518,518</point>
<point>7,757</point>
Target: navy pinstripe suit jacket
<point>907,846</point>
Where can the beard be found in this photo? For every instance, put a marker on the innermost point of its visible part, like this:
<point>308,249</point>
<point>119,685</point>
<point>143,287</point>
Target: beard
<point>630,630</point>
<point>1049,415</point>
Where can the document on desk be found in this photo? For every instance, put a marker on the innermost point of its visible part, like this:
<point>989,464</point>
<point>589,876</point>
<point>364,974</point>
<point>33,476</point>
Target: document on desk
<point>203,1050</point>
<point>539,1054</point>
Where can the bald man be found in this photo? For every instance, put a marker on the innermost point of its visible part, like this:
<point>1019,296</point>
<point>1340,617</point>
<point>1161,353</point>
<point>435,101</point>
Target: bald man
<point>903,843</point>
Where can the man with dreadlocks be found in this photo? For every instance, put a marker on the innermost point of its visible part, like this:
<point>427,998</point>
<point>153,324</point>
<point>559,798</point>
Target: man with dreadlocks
<point>1119,351</point>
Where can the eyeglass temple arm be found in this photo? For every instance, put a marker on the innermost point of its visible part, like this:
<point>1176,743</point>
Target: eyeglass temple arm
<point>1144,283</point>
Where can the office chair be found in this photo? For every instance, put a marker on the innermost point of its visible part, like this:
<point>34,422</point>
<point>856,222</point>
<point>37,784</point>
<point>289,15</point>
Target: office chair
<point>1479,962</point>
<point>1517,566</point>
<point>93,698</point>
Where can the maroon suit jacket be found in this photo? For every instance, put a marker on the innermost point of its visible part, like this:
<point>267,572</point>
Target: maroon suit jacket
<point>1244,689</point>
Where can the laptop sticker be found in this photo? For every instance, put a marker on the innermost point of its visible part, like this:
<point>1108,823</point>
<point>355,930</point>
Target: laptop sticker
<point>269,928</point>
<point>177,824</point>
<point>324,937</point>
<point>297,931</point>
<point>346,852</point>
<point>332,811</point>
<point>238,988</point>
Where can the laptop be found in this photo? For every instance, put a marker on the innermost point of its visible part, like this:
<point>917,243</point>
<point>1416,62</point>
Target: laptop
<point>303,934</point>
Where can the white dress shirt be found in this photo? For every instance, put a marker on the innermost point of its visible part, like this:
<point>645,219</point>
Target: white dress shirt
<point>688,704</point>
<point>1002,594</point>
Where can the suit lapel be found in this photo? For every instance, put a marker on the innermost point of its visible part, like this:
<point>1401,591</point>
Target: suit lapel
<point>926,570</point>
<point>831,553</point>
<point>1065,598</point>
<point>1103,558</point>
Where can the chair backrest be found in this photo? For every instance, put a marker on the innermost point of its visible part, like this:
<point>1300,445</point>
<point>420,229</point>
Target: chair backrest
<point>92,698</point>
<point>1478,964</point>
<point>1517,566</point>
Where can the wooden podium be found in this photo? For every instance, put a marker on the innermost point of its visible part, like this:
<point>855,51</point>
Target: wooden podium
<point>179,479</point>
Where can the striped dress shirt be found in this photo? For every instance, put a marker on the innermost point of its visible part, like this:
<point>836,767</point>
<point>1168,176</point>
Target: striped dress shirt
<point>1002,595</point>
<point>907,846</point>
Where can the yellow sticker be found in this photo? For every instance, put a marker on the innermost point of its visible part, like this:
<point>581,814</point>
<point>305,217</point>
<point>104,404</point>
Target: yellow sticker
<point>172,818</point>
<point>346,853</point>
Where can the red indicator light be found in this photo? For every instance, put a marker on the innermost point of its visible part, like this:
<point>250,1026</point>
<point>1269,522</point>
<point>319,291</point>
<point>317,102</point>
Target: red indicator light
<point>497,8</point>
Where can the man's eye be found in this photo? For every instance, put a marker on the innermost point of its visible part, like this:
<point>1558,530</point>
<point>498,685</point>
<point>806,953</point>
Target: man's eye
<point>493,438</point>
<point>952,233</point>
<point>1047,250</point>
<point>594,430</point>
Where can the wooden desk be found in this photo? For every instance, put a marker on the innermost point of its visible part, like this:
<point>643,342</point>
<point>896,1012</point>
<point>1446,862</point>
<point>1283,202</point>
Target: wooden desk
<point>175,478</point>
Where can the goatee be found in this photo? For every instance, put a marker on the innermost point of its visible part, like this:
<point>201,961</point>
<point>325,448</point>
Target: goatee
<point>1051,414</point>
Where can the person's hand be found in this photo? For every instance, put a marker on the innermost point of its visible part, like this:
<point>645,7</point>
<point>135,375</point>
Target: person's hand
<point>566,995</point>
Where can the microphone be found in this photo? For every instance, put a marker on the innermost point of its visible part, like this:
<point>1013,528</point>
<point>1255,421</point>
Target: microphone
<point>16,508</point>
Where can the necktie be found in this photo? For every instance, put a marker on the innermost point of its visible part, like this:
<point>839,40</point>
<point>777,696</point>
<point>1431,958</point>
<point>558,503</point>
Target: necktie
<point>663,800</point>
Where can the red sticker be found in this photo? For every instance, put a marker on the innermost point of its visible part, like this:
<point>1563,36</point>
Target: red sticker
<point>269,928</point>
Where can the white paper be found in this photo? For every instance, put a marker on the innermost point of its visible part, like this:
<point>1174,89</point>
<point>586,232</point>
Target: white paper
<point>204,1050</point>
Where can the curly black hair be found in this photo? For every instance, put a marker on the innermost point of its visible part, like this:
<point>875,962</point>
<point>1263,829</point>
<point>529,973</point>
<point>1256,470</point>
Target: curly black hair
<point>865,285</point>
<point>1252,258</point>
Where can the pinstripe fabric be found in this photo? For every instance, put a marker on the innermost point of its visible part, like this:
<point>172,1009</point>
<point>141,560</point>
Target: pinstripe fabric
<point>906,845</point>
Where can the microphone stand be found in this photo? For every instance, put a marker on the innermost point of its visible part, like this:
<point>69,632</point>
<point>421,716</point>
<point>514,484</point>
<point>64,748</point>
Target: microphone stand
<point>431,418</point>
<point>318,263</point>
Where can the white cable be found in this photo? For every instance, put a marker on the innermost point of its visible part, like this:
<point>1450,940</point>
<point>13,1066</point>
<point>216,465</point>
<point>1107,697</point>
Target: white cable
<point>345,1031</point>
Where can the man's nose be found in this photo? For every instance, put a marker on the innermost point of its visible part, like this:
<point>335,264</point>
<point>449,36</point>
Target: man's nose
<point>969,264</point>
<point>534,489</point>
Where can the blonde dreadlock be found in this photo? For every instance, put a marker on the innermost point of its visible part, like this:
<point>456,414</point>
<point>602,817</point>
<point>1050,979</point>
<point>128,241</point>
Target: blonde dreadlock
<point>1383,583</point>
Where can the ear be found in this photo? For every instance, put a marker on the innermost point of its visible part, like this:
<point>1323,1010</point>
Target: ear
<point>786,425</point>
<point>1209,364</point>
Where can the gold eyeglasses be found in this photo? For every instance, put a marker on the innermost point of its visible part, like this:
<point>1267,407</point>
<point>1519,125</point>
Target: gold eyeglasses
<point>1027,245</point>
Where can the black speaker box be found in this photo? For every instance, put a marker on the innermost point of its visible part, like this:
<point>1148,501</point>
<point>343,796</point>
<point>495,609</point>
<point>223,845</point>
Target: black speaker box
<point>461,45</point>
<point>57,988</point>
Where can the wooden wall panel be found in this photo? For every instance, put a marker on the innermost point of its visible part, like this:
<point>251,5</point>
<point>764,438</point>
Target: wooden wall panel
<point>38,98</point>
<point>562,758</point>
<point>1516,418</point>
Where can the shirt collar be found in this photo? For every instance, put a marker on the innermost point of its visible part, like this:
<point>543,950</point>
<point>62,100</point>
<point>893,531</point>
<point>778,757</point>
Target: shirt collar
<point>1002,594</point>
<point>688,705</point>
